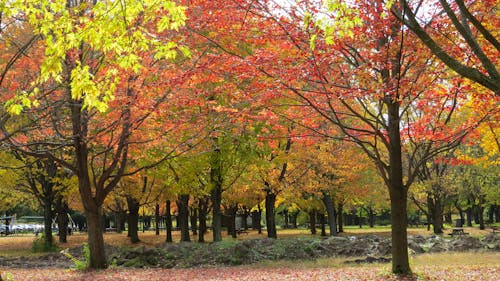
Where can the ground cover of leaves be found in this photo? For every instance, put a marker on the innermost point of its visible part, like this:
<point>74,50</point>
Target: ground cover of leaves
<point>380,272</point>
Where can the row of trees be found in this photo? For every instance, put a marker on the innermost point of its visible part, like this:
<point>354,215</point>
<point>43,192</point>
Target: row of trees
<point>232,99</point>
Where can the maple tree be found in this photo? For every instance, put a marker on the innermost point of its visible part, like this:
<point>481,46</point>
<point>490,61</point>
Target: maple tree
<point>475,54</point>
<point>93,53</point>
<point>379,88</point>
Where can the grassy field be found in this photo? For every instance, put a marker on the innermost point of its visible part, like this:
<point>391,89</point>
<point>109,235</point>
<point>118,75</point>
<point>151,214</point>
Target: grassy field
<point>436,266</point>
<point>427,267</point>
<point>21,244</point>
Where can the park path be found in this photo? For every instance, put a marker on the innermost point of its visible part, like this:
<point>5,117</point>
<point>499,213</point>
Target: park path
<point>376,272</point>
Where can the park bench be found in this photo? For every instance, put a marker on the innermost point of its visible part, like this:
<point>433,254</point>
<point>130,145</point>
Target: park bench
<point>458,231</point>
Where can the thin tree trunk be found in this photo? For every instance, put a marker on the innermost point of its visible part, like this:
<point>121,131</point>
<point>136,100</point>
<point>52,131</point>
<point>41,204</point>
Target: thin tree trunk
<point>157,219</point>
<point>371,217</point>
<point>216,196</point>
<point>168,222</point>
<point>330,210</point>
<point>216,192</point>
<point>480,213</point>
<point>293,218</point>
<point>183,217</point>
<point>203,209</point>
<point>232,210</point>
<point>62,220</point>
<point>322,221</point>
<point>398,191</point>
<point>312,221</point>
<point>47,221</point>
<point>244,218</point>
<point>133,219</point>
<point>340,215</point>
<point>270,214</point>
<point>285,215</point>
<point>194,218</point>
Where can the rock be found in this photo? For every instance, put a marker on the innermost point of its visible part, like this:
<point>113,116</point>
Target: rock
<point>370,259</point>
<point>415,247</point>
<point>465,243</point>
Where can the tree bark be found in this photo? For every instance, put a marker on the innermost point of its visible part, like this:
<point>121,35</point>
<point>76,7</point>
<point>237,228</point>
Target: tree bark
<point>216,197</point>
<point>194,219</point>
<point>287,222</point>
<point>244,218</point>
<point>95,237</point>
<point>371,217</point>
<point>469,216</point>
<point>168,222</point>
<point>397,190</point>
<point>270,214</point>
<point>293,218</point>
<point>232,210</point>
<point>436,210</point>
<point>157,219</point>
<point>330,210</point>
<point>480,213</point>
<point>216,194</point>
<point>202,210</point>
<point>312,221</point>
<point>322,221</point>
<point>183,217</point>
<point>133,219</point>
<point>340,215</point>
<point>62,219</point>
<point>47,221</point>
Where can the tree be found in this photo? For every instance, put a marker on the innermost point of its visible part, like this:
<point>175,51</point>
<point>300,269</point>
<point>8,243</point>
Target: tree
<point>92,55</point>
<point>379,89</point>
<point>475,54</point>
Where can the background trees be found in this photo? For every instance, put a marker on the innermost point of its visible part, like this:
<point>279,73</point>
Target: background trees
<point>266,105</point>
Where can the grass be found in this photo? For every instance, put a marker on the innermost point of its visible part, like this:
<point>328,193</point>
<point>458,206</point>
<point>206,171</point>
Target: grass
<point>21,245</point>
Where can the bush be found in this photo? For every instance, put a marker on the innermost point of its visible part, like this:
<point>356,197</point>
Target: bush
<point>39,246</point>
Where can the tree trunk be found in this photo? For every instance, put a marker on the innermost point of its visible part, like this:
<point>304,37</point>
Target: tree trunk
<point>340,215</point>
<point>95,237</point>
<point>202,210</point>
<point>491,212</point>
<point>183,217</point>
<point>157,219</point>
<point>330,210</point>
<point>120,221</point>
<point>371,217</point>
<point>285,215</point>
<point>322,221</point>
<point>312,221</point>
<point>232,210</point>
<point>47,221</point>
<point>194,219</point>
<point>270,214</point>
<point>293,219</point>
<point>62,220</point>
<point>460,212</point>
<point>480,213</point>
<point>216,197</point>
<point>397,190</point>
<point>256,218</point>
<point>400,262</point>
<point>469,216</point>
<point>244,218</point>
<point>133,219</point>
<point>447,216</point>
<point>168,222</point>
<point>436,210</point>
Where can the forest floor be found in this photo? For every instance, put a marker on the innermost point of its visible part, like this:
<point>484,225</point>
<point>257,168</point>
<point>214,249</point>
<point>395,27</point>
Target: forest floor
<point>298,256</point>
